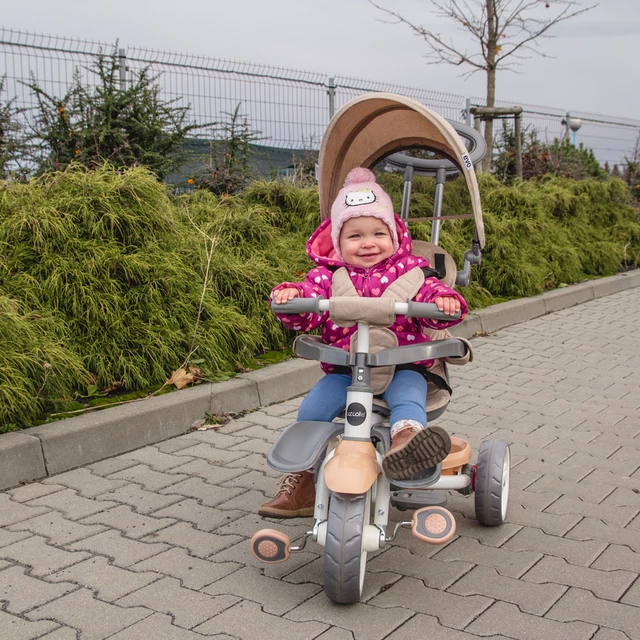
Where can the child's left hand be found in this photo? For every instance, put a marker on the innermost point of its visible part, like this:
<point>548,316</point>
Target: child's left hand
<point>449,305</point>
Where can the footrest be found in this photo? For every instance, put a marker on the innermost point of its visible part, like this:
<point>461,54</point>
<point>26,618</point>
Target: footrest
<point>435,525</point>
<point>271,546</point>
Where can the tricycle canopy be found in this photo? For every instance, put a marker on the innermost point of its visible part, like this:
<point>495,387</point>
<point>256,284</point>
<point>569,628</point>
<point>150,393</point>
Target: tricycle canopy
<point>374,126</point>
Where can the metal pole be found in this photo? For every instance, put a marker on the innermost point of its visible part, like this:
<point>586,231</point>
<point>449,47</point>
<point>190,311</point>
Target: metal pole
<point>441,176</point>
<point>467,110</point>
<point>567,117</point>
<point>122,68</point>
<point>516,127</point>
<point>331,92</point>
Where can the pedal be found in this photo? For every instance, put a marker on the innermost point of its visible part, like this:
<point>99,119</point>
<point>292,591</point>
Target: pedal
<point>435,525</point>
<point>271,546</point>
<point>410,500</point>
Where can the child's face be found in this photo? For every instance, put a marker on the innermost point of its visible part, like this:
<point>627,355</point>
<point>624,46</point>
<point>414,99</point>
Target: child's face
<point>365,241</point>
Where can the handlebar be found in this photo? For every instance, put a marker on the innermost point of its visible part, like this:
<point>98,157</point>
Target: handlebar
<point>320,305</point>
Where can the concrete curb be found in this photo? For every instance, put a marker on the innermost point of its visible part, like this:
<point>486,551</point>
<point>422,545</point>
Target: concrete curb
<point>53,448</point>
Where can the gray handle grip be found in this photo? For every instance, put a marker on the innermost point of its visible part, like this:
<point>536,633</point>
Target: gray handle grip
<point>429,310</point>
<point>298,305</point>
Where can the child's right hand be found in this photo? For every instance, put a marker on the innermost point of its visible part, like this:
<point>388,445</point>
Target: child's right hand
<point>284,295</point>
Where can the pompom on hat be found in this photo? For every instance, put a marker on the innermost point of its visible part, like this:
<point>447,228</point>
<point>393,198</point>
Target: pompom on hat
<point>361,196</point>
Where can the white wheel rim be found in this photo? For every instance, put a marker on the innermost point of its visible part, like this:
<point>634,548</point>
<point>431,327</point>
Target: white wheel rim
<point>504,494</point>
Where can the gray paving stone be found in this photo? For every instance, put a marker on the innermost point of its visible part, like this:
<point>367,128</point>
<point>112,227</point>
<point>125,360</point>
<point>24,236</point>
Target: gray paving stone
<point>203,517</point>
<point>112,465</point>
<point>593,529</point>
<point>132,524</point>
<point>246,620</point>
<point>583,605</point>
<point>97,619</point>
<point>205,451</point>
<point>12,512</point>
<point>43,558</point>
<point>594,493</point>
<point>32,491</point>
<point>20,629</point>
<point>335,633</point>
<point>72,505</point>
<point>506,619</point>
<point>610,585</point>
<point>62,633</point>
<point>207,494</point>
<point>192,572</point>
<point>423,626</point>
<point>187,607</point>
<point>154,459</point>
<point>58,530</point>
<point>275,596</point>
<point>209,472</point>
<point>363,620</point>
<point>451,610</point>
<point>535,599</point>
<point>158,626</point>
<point>142,501</point>
<point>582,554</point>
<point>21,592</point>
<point>9,537</point>
<point>122,551</point>
<point>618,557</point>
<point>84,482</point>
<point>632,596</point>
<point>199,543</point>
<point>376,583</point>
<point>107,581</point>
<point>436,573</point>
<point>549,523</point>
<point>211,437</point>
<point>148,478</point>
<point>609,634</point>
<point>618,516</point>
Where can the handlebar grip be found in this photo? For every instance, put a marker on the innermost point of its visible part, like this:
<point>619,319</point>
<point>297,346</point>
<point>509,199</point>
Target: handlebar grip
<point>298,305</point>
<point>429,310</point>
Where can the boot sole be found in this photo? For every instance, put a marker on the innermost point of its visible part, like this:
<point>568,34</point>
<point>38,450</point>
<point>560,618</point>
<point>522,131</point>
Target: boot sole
<point>281,513</point>
<point>426,449</point>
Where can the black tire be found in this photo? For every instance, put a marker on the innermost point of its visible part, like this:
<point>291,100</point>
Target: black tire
<point>492,482</point>
<point>344,558</point>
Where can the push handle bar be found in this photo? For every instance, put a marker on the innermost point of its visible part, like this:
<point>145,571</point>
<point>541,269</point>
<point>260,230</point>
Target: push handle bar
<point>320,305</point>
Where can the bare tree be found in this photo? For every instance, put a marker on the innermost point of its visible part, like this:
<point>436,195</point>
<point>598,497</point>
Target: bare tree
<point>502,32</point>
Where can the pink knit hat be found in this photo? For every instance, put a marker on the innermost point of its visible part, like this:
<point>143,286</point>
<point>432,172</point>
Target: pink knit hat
<point>361,196</point>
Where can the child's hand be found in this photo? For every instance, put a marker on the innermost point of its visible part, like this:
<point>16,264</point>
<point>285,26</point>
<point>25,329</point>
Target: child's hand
<point>284,295</point>
<point>449,305</point>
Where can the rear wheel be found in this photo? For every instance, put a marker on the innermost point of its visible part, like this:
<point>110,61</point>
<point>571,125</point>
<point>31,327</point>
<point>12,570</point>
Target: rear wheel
<point>345,559</point>
<point>492,482</point>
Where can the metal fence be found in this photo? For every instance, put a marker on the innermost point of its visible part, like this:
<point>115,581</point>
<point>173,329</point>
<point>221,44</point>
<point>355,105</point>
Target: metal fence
<point>290,108</point>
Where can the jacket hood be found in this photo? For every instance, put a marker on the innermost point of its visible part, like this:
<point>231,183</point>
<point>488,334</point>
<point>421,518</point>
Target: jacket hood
<point>322,253</point>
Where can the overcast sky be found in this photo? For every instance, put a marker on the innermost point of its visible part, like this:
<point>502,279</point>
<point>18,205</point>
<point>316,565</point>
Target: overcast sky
<point>594,68</point>
<point>595,65</point>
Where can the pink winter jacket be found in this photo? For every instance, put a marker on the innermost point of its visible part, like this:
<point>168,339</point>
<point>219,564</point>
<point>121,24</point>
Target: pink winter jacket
<point>369,282</point>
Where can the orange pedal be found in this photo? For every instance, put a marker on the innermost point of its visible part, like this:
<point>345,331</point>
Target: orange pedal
<point>270,546</point>
<point>435,525</point>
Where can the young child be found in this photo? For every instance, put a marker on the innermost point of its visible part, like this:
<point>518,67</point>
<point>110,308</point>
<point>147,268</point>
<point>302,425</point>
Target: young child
<point>364,235</point>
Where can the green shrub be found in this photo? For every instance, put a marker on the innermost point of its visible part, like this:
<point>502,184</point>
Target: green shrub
<point>107,278</point>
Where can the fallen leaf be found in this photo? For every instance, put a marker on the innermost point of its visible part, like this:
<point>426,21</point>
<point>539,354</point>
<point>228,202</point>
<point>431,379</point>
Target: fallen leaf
<point>180,378</point>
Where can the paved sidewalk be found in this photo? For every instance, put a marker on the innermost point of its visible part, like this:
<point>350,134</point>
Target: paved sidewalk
<point>153,544</point>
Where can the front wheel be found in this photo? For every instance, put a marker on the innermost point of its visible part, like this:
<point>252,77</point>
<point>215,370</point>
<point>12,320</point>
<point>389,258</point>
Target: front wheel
<point>345,559</point>
<point>492,482</point>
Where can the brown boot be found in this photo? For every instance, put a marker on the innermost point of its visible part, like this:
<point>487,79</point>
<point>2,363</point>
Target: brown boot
<point>295,498</point>
<point>413,450</point>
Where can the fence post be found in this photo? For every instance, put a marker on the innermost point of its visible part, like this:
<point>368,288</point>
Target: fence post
<point>467,112</point>
<point>331,92</point>
<point>516,130</point>
<point>122,68</point>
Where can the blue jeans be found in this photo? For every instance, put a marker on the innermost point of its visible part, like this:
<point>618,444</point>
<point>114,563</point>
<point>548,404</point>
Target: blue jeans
<point>406,397</point>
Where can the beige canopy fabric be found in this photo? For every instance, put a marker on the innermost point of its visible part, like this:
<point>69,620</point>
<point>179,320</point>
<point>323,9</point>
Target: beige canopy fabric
<point>372,126</point>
